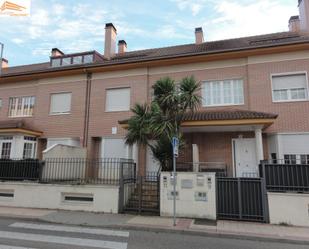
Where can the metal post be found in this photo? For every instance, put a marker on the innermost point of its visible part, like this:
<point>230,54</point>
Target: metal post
<point>239,197</point>
<point>174,189</point>
<point>1,56</point>
<point>121,190</point>
<point>140,194</point>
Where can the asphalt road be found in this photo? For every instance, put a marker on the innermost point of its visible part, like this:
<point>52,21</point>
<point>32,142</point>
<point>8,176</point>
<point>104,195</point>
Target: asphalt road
<point>21,234</point>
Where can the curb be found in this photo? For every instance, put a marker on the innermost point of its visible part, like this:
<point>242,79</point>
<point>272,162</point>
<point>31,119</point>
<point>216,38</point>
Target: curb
<point>206,233</point>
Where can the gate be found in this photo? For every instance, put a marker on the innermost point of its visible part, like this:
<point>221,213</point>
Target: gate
<point>142,194</point>
<point>242,199</point>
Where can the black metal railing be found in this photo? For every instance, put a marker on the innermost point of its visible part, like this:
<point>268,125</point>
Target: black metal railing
<point>87,171</point>
<point>69,170</point>
<point>18,170</point>
<point>285,177</point>
<point>241,199</point>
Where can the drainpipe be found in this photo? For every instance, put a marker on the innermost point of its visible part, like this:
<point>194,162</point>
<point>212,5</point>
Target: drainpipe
<point>87,108</point>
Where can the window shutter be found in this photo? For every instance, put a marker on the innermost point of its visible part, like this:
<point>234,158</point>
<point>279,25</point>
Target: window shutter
<point>60,103</point>
<point>118,99</point>
<point>289,82</point>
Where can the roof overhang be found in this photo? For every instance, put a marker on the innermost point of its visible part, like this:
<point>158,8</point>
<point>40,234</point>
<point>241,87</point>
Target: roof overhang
<point>17,127</point>
<point>20,131</point>
<point>264,122</point>
<point>157,61</point>
<point>222,120</point>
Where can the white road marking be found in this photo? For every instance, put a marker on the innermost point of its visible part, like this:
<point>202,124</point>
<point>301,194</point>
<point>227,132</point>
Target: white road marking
<point>63,240</point>
<point>14,247</point>
<point>70,229</point>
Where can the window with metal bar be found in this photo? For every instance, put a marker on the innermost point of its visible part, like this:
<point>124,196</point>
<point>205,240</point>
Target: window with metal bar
<point>21,106</point>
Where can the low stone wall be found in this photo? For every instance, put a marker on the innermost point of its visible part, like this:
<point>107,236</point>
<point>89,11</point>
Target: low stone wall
<point>93,198</point>
<point>195,195</point>
<point>289,208</point>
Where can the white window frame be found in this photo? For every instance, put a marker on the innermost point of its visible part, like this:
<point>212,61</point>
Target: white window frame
<point>59,113</point>
<point>6,139</point>
<point>23,109</point>
<point>118,88</point>
<point>222,92</point>
<point>33,142</point>
<point>289,91</point>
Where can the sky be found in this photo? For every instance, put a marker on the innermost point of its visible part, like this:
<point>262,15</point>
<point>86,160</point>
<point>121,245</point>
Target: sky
<point>78,25</point>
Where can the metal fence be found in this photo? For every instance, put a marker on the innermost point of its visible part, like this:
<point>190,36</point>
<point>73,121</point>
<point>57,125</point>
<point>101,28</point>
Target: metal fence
<point>241,199</point>
<point>141,195</point>
<point>282,177</point>
<point>69,170</point>
<point>18,170</point>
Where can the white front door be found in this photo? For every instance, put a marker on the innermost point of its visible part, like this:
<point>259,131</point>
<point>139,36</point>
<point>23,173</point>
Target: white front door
<point>246,164</point>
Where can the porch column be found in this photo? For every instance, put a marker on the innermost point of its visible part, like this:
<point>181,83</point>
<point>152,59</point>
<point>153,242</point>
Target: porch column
<point>195,158</point>
<point>259,144</point>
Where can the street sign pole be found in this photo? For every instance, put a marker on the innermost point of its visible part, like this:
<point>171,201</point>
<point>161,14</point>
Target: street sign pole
<point>175,143</point>
<point>174,188</point>
<point>1,56</point>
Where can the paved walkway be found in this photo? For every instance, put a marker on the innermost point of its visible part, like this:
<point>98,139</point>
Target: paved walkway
<point>153,223</point>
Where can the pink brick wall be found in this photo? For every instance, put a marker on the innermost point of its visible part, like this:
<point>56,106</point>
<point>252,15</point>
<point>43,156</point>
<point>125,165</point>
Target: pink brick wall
<point>293,117</point>
<point>69,125</point>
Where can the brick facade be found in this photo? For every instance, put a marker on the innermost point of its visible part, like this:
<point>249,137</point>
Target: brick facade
<point>213,147</point>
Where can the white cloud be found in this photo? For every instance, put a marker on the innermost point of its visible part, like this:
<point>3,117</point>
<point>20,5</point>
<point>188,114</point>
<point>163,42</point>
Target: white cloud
<point>236,19</point>
<point>195,6</point>
<point>58,9</point>
<point>18,41</point>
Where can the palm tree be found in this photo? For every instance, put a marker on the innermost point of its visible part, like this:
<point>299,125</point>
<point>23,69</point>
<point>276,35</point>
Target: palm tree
<point>161,120</point>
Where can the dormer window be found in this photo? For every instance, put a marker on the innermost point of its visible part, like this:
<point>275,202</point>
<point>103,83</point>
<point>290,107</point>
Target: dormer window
<point>74,59</point>
<point>56,62</point>
<point>88,58</point>
<point>66,61</point>
<point>77,59</point>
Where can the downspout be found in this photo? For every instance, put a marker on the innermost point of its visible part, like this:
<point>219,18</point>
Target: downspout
<point>87,108</point>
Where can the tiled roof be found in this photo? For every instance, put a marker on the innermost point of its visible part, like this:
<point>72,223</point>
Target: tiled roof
<point>221,115</point>
<point>227,115</point>
<point>15,124</point>
<point>11,124</point>
<point>212,47</point>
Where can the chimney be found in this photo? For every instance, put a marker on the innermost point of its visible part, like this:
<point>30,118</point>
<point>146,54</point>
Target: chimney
<point>294,24</point>
<point>199,36</point>
<point>110,40</point>
<point>5,63</point>
<point>122,46</point>
<point>303,6</point>
<point>56,52</point>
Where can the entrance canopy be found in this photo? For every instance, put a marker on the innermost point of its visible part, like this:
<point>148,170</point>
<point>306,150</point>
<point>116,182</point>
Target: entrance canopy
<point>226,121</point>
<point>17,127</point>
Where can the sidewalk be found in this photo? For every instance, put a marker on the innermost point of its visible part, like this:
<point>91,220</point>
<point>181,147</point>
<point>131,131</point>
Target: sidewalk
<point>153,223</point>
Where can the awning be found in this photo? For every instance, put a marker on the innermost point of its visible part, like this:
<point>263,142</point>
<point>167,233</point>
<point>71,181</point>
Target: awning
<point>227,118</point>
<point>17,126</point>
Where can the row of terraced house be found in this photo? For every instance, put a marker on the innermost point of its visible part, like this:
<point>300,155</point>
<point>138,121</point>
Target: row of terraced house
<point>255,99</point>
